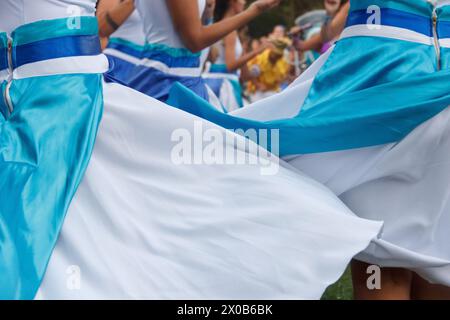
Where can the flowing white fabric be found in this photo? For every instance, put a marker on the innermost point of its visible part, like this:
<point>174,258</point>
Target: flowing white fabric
<point>141,226</point>
<point>406,184</point>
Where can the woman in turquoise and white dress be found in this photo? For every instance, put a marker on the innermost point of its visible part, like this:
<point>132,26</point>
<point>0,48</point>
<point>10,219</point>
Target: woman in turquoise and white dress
<point>371,120</point>
<point>98,199</point>
<point>224,74</point>
<point>125,36</point>
<point>175,38</point>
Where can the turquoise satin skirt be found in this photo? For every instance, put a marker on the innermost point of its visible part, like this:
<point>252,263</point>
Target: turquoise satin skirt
<point>372,90</point>
<point>45,146</point>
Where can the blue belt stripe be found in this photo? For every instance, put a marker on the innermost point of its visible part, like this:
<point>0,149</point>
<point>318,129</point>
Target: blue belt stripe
<point>3,58</point>
<point>394,18</point>
<point>62,47</point>
<point>171,61</point>
<point>444,29</point>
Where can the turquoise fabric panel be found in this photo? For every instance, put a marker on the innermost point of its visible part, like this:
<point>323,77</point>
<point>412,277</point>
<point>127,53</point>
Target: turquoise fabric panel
<point>444,13</point>
<point>174,52</point>
<point>50,29</point>
<point>237,90</point>
<point>371,91</point>
<point>419,7</point>
<point>375,116</point>
<point>445,59</point>
<point>359,63</point>
<point>3,107</point>
<point>123,42</point>
<point>45,147</point>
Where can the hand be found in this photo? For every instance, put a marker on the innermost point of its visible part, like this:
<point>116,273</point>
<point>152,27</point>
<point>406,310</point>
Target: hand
<point>295,30</point>
<point>265,5</point>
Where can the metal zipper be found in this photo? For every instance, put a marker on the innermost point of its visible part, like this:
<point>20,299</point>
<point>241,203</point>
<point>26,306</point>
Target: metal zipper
<point>436,37</point>
<point>10,77</point>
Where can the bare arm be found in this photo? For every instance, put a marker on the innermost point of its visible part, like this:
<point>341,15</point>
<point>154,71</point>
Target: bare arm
<point>337,25</point>
<point>111,14</point>
<point>313,43</point>
<point>231,61</point>
<point>197,37</point>
<point>329,31</point>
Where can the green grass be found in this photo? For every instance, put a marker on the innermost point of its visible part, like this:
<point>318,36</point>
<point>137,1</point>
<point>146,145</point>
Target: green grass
<point>341,290</point>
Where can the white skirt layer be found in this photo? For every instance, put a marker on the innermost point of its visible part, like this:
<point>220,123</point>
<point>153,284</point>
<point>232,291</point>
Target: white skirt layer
<point>227,95</point>
<point>407,184</point>
<point>141,226</point>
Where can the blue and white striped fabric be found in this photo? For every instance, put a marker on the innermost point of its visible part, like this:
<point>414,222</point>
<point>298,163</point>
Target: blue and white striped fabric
<point>370,119</point>
<point>125,47</point>
<point>162,66</point>
<point>166,60</point>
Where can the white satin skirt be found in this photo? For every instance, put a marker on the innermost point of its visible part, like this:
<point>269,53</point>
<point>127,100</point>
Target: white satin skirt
<point>143,226</point>
<point>404,184</point>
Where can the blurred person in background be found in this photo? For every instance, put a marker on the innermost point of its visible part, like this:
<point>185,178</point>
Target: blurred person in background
<point>224,74</point>
<point>269,69</point>
<point>337,12</point>
<point>279,31</point>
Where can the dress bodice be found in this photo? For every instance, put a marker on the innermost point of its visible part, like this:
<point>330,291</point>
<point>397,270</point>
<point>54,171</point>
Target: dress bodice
<point>14,13</point>
<point>131,30</point>
<point>158,26</point>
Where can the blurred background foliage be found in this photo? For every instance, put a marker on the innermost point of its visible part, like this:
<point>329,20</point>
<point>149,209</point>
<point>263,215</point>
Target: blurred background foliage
<point>285,14</point>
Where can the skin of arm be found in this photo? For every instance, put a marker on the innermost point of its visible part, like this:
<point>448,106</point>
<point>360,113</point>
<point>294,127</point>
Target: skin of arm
<point>314,43</point>
<point>116,10</point>
<point>329,32</point>
<point>197,37</point>
<point>231,61</point>
<point>335,27</point>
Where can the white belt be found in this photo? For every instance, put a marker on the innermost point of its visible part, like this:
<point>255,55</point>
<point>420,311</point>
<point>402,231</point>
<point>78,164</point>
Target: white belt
<point>392,33</point>
<point>121,55</point>
<point>67,65</point>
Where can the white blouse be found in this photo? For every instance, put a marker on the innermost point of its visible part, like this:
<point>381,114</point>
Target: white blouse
<point>158,25</point>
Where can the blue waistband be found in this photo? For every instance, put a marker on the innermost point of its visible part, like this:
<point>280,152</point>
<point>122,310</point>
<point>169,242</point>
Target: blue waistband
<point>62,47</point>
<point>3,58</point>
<point>444,29</point>
<point>3,51</point>
<point>394,18</point>
<point>172,57</point>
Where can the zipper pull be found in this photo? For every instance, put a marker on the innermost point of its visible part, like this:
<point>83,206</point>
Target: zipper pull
<point>9,50</point>
<point>10,76</point>
<point>436,37</point>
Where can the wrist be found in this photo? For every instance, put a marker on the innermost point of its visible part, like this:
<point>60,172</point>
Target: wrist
<point>255,10</point>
